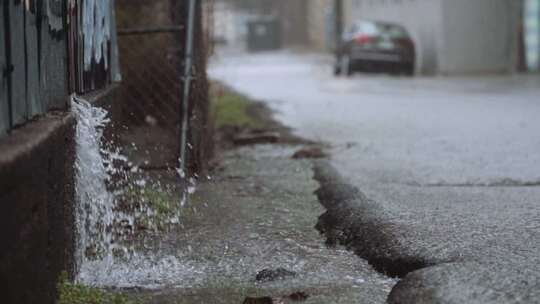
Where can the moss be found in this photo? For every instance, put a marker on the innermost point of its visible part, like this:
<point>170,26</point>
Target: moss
<point>231,109</point>
<point>73,293</point>
<point>162,204</point>
<point>160,201</point>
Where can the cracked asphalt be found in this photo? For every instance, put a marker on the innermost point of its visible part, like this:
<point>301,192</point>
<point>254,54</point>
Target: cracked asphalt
<point>451,164</point>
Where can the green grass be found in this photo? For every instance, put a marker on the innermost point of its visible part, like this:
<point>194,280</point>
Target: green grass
<point>73,293</point>
<point>160,202</point>
<point>231,109</point>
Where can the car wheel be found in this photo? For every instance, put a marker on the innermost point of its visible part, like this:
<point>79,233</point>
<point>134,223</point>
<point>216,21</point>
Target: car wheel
<point>408,70</point>
<point>345,65</point>
<point>337,67</point>
<point>395,70</point>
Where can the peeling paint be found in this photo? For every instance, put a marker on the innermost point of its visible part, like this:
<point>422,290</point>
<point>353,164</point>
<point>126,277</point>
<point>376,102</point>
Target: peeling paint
<point>54,14</point>
<point>115,64</point>
<point>50,47</point>
<point>96,31</point>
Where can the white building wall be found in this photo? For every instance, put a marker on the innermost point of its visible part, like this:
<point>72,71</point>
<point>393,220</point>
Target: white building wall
<point>532,34</point>
<point>451,36</point>
<point>480,36</point>
<point>422,18</point>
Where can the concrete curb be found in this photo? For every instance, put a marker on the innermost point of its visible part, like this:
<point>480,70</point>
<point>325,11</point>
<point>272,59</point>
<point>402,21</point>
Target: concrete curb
<point>353,220</point>
<point>37,210</point>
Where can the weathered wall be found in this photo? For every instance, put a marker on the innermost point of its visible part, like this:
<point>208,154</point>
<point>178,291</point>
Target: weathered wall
<point>151,94</point>
<point>33,58</point>
<point>319,24</point>
<point>36,209</point>
<point>37,140</point>
<point>36,160</point>
<point>294,21</point>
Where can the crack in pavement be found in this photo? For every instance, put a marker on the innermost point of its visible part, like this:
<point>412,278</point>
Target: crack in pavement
<point>365,227</point>
<point>353,220</point>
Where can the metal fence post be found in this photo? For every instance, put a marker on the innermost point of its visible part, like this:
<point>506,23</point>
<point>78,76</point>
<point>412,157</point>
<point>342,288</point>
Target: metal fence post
<point>186,89</point>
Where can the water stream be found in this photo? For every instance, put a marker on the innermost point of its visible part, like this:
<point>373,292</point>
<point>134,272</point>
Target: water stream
<point>105,256</point>
<point>226,234</point>
<point>94,212</point>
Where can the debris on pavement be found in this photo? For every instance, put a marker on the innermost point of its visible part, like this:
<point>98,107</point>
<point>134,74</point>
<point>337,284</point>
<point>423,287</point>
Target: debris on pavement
<point>310,152</point>
<point>256,138</point>
<point>267,275</point>
<point>294,297</point>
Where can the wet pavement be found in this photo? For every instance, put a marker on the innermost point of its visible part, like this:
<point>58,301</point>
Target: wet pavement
<point>450,166</point>
<point>257,212</point>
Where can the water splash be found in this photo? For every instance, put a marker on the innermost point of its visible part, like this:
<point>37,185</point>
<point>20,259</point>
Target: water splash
<point>190,182</point>
<point>143,271</point>
<point>95,204</point>
<point>111,202</point>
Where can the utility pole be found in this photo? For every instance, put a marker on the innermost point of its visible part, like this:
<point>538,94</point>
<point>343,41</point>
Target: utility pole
<point>338,12</point>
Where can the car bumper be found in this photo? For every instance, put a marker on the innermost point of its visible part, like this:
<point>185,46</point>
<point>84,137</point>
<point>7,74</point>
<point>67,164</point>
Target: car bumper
<point>381,57</point>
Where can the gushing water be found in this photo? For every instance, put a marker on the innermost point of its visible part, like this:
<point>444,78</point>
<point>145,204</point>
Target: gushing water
<point>97,216</point>
<point>102,257</point>
<point>183,260</point>
<point>94,212</point>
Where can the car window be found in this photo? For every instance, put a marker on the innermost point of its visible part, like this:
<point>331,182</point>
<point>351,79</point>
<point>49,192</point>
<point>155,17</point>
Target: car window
<point>377,29</point>
<point>394,31</point>
<point>368,28</point>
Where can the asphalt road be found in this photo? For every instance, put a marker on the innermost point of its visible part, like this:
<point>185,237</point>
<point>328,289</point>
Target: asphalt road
<point>452,164</point>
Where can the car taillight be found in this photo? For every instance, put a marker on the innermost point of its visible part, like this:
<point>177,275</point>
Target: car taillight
<point>362,39</point>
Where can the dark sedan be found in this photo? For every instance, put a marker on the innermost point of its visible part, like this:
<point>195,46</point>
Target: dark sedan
<point>375,47</point>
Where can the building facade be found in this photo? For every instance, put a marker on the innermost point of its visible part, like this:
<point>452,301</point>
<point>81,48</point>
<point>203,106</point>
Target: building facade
<point>532,34</point>
<point>452,36</point>
<point>320,24</point>
<point>49,50</point>
<point>304,23</point>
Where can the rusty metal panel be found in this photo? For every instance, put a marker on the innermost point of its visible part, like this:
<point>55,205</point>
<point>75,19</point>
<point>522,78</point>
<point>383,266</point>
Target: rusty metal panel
<point>116,74</point>
<point>4,107</point>
<point>53,65</point>
<point>19,108</point>
<point>72,17</point>
<point>96,31</point>
<point>33,96</point>
<point>91,45</point>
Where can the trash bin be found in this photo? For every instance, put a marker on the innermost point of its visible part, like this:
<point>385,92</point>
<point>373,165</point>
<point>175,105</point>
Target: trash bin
<point>263,34</point>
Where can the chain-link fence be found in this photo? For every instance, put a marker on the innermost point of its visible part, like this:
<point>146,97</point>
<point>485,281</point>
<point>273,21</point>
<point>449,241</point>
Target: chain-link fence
<point>151,44</point>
